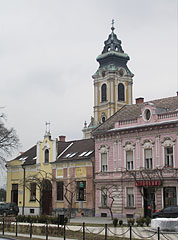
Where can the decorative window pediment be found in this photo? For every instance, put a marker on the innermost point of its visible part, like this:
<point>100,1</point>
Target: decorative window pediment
<point>148,144</point>
<point>168,142</point>
<point>103,149</point>
<point>129,146</point>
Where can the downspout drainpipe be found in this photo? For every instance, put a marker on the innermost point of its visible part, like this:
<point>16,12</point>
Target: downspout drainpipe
<point>23,190</point>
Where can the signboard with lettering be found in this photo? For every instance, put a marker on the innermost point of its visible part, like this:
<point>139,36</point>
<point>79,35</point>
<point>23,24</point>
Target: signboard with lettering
<point>148,183</point>
<point>80,172</point>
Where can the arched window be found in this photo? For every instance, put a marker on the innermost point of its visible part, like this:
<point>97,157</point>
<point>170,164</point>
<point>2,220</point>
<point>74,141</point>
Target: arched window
<point>104,93</point>
<point>46,160</point>
<point>121,92</point>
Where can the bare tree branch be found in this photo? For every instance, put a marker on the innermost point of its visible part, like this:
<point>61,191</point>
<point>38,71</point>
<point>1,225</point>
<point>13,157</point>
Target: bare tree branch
<point>9,141</point>
<point>110,193</point>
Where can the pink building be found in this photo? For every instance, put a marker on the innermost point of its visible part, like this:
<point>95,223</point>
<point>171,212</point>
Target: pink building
<point>136,155</point>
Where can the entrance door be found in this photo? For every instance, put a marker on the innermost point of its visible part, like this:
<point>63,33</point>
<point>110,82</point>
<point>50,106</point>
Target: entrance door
<point>14,193</point>
<point>149,202</point>
<point>47,198</point>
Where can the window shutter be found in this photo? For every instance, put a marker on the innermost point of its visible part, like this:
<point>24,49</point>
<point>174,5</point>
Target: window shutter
<point>129,191</point>
<point>129,155</point>
<point>148,153</point>
<point>104,158</point>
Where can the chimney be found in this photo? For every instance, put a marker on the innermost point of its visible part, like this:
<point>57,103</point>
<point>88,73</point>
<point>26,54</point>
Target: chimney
<point>62,138</point>
<point>139,100</point>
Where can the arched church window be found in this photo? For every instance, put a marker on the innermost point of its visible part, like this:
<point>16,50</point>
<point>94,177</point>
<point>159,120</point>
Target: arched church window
<point>104,93</point>
<point>46,160</point>
<point>121,92</point>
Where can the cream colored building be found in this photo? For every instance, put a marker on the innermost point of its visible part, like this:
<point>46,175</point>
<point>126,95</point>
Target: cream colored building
<point>112,83</point>
<point>50,165</point>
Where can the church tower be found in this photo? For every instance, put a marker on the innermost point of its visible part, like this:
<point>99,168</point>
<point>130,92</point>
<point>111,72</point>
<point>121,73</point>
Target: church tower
<point>112,82</point>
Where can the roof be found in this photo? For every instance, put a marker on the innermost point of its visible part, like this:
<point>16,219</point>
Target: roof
<point>133,111</point>
<point>29,157</point>
<point>78,150</point>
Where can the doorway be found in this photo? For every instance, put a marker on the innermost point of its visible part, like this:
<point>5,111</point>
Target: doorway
<point>149,202</point>
<point>47,198</point>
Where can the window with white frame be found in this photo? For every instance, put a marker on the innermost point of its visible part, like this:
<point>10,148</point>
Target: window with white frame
<point>148,159</point>
<point>32,191</point>
<point>169,156</point>
<point>104,198</point>
<point>104,162</point>
<point>130,197</point>
<point>129,160</point>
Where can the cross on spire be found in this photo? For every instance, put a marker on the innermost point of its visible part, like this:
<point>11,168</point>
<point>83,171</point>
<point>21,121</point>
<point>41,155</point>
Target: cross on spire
<point>47,127</point>
<point>112,24</point>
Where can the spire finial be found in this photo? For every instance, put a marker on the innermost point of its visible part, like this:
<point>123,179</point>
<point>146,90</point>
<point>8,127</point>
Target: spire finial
<point>47,127</point>
<point>112,24</point>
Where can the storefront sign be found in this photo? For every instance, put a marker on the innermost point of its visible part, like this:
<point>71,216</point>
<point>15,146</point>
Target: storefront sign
<point>148,183</point>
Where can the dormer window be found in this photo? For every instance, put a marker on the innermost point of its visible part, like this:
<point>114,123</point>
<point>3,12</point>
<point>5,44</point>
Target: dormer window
<point>147,114</point>
<point>46,156</point>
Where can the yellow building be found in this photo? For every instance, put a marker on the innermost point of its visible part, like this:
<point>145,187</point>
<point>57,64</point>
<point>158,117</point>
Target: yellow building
<point>37,179</point>
<point>112,83</point>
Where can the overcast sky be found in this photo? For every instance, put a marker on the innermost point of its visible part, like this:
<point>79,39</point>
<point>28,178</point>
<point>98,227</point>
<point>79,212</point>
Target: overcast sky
<point>48,51</point>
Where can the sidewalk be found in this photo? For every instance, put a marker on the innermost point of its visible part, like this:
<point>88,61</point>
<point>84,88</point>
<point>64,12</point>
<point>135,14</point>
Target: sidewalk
<point>8,234</point>
<point>95,220</point>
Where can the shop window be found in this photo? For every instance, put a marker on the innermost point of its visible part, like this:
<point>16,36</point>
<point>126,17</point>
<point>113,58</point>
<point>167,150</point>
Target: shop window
<point>33,192</point>
<point>81,191</point>
<point>121,92</point>
<point>104,198</point>
<point>148,159</point>
<point>104,93</point>
<point>130,197</point>
<point>60,191</point>
<point>46,156</point>
<point>129,160</point>
<point>169,156</point>
<point>170,196</point>
<point>104,164</point>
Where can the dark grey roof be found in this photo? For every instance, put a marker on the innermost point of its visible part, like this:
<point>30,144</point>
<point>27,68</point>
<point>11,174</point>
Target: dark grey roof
<point>29,157</point>
<point>63,148</point>
<point>78,150</point>
<point>133,111</point>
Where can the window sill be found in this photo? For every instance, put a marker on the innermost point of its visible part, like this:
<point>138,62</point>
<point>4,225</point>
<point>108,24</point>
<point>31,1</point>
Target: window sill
<point>103,207</point>
<point>130,207</point>
<point>103,173</point>
<point>32,200</point>
<point>60,201</point>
